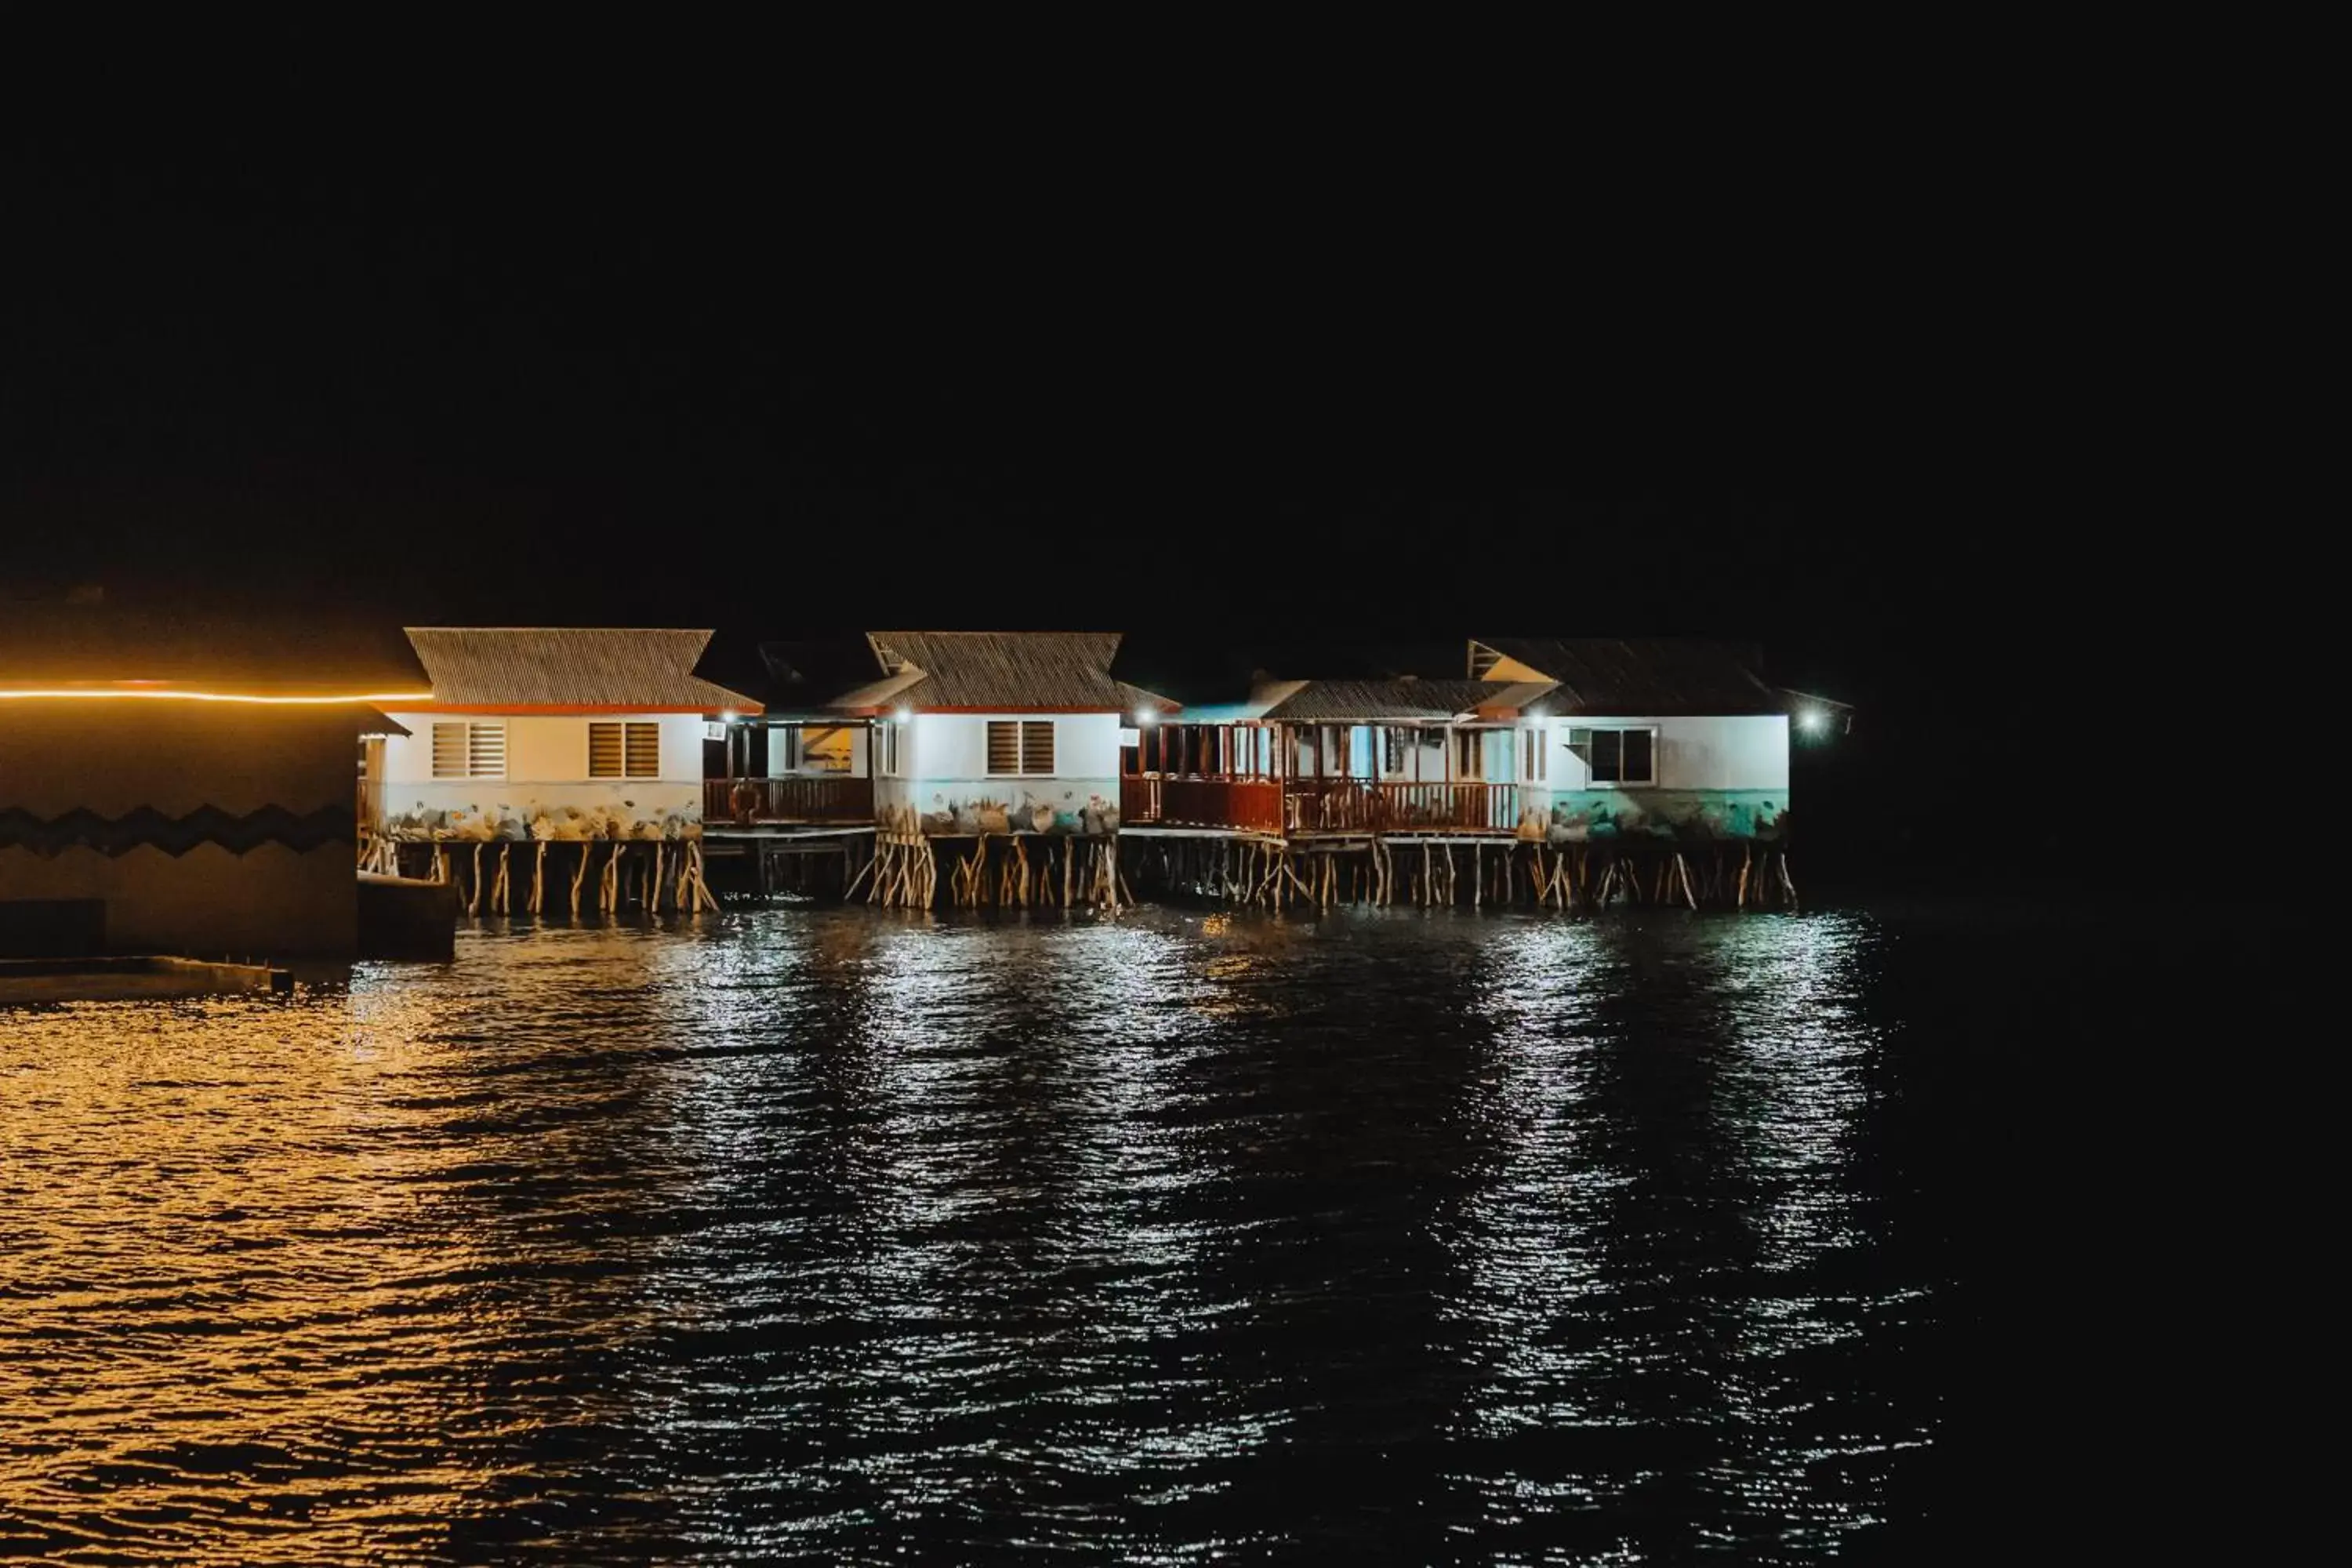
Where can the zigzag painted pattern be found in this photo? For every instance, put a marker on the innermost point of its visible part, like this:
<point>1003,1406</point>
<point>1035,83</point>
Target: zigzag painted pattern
<point>147,828</point>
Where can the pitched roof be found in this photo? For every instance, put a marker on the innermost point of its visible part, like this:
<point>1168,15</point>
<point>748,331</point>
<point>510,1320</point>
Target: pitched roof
<point>569,666</point>
<point>997,672</point>
<point>1642,677</point>
<point>1515,695</point>
<point>1179,662</point>
<point>1366,701</point>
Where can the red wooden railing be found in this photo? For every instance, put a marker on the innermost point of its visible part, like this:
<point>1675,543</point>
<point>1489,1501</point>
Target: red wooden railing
<point>1358,805</point>
<point>788,800</point>
<point>1251,804</point>
<point>1138,799</point>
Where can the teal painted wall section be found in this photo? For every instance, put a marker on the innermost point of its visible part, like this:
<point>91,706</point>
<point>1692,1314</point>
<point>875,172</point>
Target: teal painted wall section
<point>1591,816</point>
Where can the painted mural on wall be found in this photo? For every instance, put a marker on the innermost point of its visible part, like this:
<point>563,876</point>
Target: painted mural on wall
<point>145,827</point>
<point>1592,816</point>
<point>501,822</point>
<point>942,807</point>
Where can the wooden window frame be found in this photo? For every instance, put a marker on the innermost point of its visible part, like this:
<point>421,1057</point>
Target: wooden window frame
<point>473,732</point>
<point>630,731</point>
<point>1024,731</point>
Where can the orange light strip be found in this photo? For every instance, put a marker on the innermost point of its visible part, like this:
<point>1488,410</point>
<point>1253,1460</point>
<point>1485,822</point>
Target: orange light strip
<point>372,698</point>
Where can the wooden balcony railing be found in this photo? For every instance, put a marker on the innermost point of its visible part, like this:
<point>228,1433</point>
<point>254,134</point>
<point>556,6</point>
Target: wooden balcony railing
<point>1358,805</point>
<point>1319,806</point>
<point>1253,805</point>
<point>794,800</point>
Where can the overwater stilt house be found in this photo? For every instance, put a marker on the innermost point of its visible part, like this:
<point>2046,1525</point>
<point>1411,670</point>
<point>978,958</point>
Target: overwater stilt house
<point>553,767</point>
<point>1004,746</point>
<point>1565,769</point>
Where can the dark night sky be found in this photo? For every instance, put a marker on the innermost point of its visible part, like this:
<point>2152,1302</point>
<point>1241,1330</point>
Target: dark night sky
<point>777,395</point>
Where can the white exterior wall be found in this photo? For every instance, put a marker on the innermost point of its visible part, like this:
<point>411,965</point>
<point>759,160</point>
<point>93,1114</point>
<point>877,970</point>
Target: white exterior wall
<point>955,745</point>
<point>943,764</point>
<point>547,767</point>
<point>1747,752</point>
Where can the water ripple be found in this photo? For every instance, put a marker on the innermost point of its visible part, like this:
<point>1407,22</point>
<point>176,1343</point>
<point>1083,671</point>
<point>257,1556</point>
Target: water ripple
<point>829,1235</point>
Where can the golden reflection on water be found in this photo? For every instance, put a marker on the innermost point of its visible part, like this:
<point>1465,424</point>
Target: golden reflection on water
<point>245,1239</point>
<point>825,1233</point>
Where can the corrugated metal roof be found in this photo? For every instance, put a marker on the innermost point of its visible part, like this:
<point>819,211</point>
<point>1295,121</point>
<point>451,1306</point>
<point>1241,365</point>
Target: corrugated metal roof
<point>1642,677</point>
<point>998,671</point>
<point>1373,702</point>
<point>564,667</point>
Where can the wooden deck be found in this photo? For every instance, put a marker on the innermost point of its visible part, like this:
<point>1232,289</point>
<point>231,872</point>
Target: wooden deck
<point>1300,807</point>
<point>1356,805</point>
<point>747,803</point>
<point>1250,804</point>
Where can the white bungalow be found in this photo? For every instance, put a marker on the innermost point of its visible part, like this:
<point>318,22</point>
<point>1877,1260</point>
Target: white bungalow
<point>1566,738</point>
<point>596,732</point>
<point>997,731</point>
<point>1645,734</point>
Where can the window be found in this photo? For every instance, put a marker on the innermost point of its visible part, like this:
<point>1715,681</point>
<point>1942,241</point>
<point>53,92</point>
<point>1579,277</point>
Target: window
<point>1532,755</point>
<point>624,751</point>
<point>1037,746</point>
<point>1469,754</point>
<point>1020,746</point>
<point>466,750</point>
<point>886,748</point>
<point>1483,660</point>
<point>1392,760</point>
<point>1617,756</point>
<point>785,749</point>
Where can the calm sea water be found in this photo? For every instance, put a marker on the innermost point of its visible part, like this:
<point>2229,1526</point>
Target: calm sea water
<point>826,1235</point>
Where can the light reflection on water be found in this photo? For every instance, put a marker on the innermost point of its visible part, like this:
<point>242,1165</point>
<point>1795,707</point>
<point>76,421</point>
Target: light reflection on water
<point>818,1232</point>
